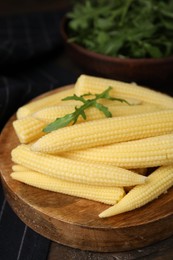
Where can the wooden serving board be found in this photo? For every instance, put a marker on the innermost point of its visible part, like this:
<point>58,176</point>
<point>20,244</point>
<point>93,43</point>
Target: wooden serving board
<point>74,221</point>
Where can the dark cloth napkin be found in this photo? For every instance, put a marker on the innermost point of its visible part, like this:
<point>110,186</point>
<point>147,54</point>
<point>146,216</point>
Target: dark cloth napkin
<point>30,44</point>
<point>28,35</point>
<point>29,47</point>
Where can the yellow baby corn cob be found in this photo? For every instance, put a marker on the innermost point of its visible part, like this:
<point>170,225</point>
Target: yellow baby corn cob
<point>28,129</point>
<point>75,171</point>
<point>19,168</point>
<point>50,100</point>
<point>143,153</point>
<point>106,131</point>
<point>108,195</point>
<point>157,183</point>
<point>92,84</point>
<point>49,114</point>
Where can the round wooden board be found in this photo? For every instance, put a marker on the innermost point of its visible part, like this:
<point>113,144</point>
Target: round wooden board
<point>74,221</point>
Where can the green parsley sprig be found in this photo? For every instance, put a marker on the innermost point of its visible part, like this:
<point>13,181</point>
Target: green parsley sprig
<point>80,111</point>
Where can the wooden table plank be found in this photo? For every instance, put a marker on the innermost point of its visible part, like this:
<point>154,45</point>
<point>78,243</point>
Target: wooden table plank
<point>158,251</point>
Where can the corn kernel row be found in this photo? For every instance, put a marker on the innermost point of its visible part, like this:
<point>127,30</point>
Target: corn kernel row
<point>86,83</point>
<point>148,152</point>
<point>158,182</point>
<point>47,101</point>
<point>70,170</point>
<point>106,131</point>
<point>109,195</point>
<point>31,127</point>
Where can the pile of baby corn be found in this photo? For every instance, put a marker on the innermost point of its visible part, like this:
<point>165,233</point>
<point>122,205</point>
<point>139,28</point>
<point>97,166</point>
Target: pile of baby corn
<point>101,159</point>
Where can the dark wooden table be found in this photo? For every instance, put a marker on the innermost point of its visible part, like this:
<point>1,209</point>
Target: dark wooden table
<point>159,251</point>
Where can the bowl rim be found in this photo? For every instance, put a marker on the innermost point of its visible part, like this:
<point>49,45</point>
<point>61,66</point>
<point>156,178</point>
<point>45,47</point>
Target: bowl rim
<point>104,57</point>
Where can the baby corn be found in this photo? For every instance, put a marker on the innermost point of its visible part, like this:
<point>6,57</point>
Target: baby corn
<point>92,84</point>
<point>19,168</point>
<point>50,100</point>
<point>106,131</point>
<point>75,171</point>
<point>31,127</point>
<point>108,195</point>
<point>49,114</point>
<point>28,129</point>
<point>157,183</point>
<point>143,153</point>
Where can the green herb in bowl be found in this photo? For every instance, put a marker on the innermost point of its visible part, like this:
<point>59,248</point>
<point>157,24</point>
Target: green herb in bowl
<point>123,28</point>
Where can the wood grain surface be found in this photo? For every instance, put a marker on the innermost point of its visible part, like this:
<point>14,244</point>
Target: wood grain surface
<point>158,251</point>
<point>74,221</point>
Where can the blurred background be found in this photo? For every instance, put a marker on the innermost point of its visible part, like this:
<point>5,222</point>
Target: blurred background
<point>18,6</point>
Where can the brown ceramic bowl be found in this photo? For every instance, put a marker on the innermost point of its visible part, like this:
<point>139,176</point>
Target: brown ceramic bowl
<point>144,71</point>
